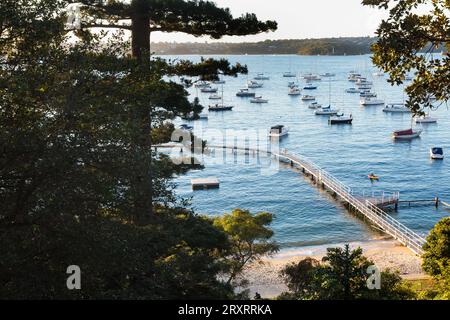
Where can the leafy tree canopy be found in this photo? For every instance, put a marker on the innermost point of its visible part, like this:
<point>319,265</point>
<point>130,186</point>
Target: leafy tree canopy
<point>250,238</point>
<point>341,276</point>
<point>403,35</point>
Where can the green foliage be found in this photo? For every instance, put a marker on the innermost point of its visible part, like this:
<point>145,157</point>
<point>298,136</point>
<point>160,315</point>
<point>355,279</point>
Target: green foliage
<point>329,46</point>
<point>79,183</point>
<point>249,237</point>
<point>299,278</point>
<point>436,259</point>
<point>400,39</point>
<point>175,258</point>
<point>342,276</point>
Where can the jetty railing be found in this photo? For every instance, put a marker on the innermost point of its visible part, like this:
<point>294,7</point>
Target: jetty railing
<point>377,216</point>
<point>368,209</point>
<point>364,205</point>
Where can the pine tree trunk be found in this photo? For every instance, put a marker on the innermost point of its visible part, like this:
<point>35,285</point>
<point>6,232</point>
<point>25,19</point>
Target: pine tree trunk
<point>142,178</point>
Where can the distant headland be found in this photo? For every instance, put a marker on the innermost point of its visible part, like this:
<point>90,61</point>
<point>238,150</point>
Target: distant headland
<point>307,47</point>
<point>329,46</point>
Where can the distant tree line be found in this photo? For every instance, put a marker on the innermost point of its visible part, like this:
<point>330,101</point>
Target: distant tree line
<point>329,46</point>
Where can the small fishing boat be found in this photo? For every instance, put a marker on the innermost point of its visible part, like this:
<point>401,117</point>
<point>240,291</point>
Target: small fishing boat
<point>278,131</point>
<point>215,97</point>
<point>308,98</point>
<point>294,91</point>
<point>352,90</point>
<point>244,93</point>
<point>437,153</point>
<point>406,134</point>
<point>261,76</point>
<point>315,106</point>
<point>371,102</point>
<point>341,119</point>
<point>289,75</point>
<point>378,74</point>
<point>425,119</point>
<point>209,90</point>
<point>254,84</point>
<point>328,75</point>
<point>396,108</point>
<point>220,107</point>
<point>259,100</point>
<point>310,86</point>
<point>327,111</point>
<point>219,82</point>
<point>203,116</point>
<point>373,177</point>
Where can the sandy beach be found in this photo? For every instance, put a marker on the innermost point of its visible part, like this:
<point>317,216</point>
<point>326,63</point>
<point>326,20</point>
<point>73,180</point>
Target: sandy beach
<point>386,254</point>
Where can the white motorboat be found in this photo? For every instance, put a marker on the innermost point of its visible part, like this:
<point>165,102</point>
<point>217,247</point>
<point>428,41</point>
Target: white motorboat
<point>219,82</point>
<point>261,76</point>
<point>245,93</point>
<point>215,97</point>
<point>425,119</point>
<point>209,90</point>
<point>352,90</point>
<point>353,77</point>
<point>254,84</point>
<point>326,111</point>
<point>186,127</point>
<point>328,75</point>
<point>437,153</point>
<point>315,105</point>
<point>396,108</point>
<point>363,82</point>
<point>289,75</point>
<point>259,100</point>
<point>341,119</point>
<point>371,102</point>
<point>406,134</point>
<point>220,107</point>
<point>365,88</point>
<point>202,84</point>
<point>311,77</point>
<point>367,94</point>
<point>278,131</point>
<point>308,98</point>
<point>291,84</point>
<point>310,86</point>
<point>378,74</point>
<point>294,91</point>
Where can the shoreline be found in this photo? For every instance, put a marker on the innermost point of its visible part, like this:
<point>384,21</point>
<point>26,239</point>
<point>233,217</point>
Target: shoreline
<point>386,254</point>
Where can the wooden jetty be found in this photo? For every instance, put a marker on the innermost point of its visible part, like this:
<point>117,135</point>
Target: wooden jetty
<point>369,207</point>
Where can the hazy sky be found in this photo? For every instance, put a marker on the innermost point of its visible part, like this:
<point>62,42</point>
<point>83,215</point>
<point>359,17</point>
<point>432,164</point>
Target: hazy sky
<point>299,19</point>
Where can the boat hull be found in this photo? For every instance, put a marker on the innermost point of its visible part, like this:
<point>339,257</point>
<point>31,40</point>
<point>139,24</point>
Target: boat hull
<point>346,121</point>
<point>408,136</point>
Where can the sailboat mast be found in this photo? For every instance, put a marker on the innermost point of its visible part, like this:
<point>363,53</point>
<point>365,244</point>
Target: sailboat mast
<point>329,92</point>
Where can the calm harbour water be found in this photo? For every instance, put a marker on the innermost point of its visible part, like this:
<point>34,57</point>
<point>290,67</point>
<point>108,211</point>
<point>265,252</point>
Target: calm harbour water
<point>304,214</point>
